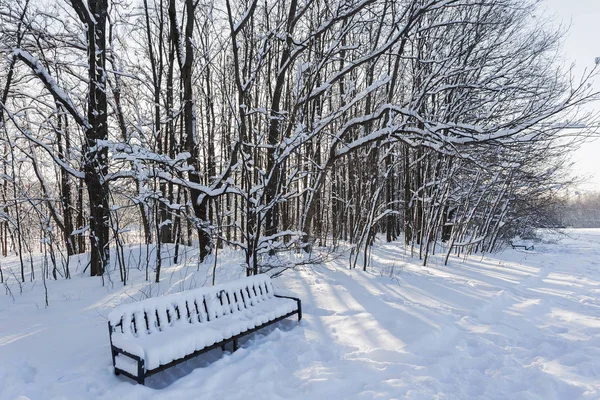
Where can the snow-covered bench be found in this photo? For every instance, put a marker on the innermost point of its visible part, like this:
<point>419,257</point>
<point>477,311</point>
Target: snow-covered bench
<point>154,334</point>
<point>521,246</point>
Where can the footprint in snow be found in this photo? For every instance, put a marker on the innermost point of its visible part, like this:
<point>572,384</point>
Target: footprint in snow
<point>572,360</point>
<point>319,312</point>
<point>28,373</point>
<point>387,298</point>
<point>558,329</point>
<point>347,313</point>
<point>593,331</point>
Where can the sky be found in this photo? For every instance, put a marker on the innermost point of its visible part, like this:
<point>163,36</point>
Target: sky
<point>581,47</point>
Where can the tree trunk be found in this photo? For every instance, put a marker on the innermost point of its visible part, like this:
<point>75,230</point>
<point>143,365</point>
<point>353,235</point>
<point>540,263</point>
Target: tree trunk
<point>95,162</point>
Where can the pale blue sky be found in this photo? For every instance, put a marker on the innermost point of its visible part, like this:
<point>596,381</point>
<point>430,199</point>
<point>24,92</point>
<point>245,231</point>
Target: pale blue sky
<point>581,46</point>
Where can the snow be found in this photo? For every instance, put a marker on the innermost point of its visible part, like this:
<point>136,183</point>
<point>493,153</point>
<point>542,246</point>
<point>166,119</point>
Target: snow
<point>517,325</point>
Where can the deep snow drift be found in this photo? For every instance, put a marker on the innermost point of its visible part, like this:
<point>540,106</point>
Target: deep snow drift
<point>518,325</point>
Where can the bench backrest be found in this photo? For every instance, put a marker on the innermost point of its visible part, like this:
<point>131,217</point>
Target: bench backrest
<point>190,307</point>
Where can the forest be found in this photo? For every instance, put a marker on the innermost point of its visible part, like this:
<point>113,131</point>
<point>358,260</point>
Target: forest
<point>280,126</point>
<point>580,210</point>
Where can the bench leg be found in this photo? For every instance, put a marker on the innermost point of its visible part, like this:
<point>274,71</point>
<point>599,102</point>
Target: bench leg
<point>223,347</point>
<point>114,356</point>
<point>235,344</point>
<point>141,377</point>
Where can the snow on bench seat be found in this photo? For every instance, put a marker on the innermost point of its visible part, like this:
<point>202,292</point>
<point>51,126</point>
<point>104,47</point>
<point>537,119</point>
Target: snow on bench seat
<point>159,331</point>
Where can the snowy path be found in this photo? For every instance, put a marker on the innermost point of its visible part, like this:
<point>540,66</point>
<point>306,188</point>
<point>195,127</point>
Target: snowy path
<point>520,325</point>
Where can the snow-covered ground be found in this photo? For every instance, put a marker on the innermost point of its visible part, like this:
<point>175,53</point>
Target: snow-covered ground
<point>518,325</point>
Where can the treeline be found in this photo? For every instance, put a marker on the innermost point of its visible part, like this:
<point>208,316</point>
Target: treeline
<point>278,125</point>
<point>581,210</point>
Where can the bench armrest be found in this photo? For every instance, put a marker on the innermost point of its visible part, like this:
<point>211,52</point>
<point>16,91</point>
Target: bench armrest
<point>118,350</point>
<point>297,301</point>
<point>115,351</point>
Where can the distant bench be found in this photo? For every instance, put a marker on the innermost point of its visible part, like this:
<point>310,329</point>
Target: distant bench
<point>521,246</point>
<point>154,334</point>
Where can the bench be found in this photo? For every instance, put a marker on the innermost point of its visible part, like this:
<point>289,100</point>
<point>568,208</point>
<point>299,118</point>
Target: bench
<point>521,246</point>
<point>151,335</point>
